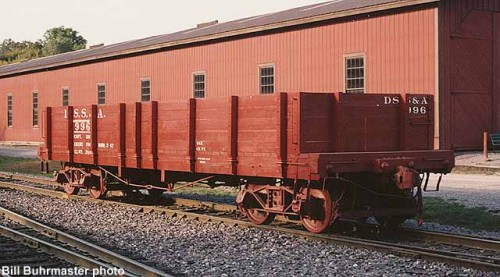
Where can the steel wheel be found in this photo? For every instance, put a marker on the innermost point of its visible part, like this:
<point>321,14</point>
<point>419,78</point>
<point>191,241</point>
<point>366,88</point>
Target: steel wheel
<point>70,190</point>
<point>259,217</point>
<point>321,212</point>
<point>255,216</point>
<point>74,178</point>
<point>98,189</point>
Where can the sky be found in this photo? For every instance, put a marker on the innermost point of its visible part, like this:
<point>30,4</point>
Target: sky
<point>113,21</point>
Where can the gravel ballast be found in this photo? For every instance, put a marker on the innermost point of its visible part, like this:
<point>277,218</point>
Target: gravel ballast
<point>184,247</point>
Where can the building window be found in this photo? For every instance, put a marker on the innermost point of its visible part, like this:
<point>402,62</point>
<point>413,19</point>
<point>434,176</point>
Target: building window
<point>101,94</point>
<point>35,109</point>
<point>267,79</point>
<point>145,90</point>
<point>199,85</point>
<point>65,97</point>
<point>355,75</point>
<point>9,110</point>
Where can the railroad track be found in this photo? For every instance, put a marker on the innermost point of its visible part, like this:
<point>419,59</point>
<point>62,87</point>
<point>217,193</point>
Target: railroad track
<point>464,251</point>
<point>17,255</point>
<point>24,245</point>
<point>17,231</point>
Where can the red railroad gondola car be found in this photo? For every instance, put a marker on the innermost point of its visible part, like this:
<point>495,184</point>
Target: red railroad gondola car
<point>320,157</point>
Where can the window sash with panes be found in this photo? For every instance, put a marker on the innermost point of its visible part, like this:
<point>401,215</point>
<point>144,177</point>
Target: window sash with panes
<point>199,85</point>
<point>267,80</point>
<point>35,109</point>
<point>101,94</point>
<point>65,97</point>
<point>355,75</point>
<point>9,110</point>
<point>145,90</point>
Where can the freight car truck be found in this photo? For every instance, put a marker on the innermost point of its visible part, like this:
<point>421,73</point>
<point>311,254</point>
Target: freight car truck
<point>320,157</point>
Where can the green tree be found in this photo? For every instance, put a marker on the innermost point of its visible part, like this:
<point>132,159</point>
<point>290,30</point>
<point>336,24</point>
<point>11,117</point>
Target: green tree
<point>56,41</point>
<point>61,40</point>
<point>11,51</point>
<point>30,50</point>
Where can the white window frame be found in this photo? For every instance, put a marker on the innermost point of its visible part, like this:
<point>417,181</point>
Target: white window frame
<point>355,56</point>
<point>33,109</point>
<point>262,66</point>
<point>62,92</point>
<point>105,92</point>
<point>11,123</point>
<point>150,88</point>
<point>204,82</point>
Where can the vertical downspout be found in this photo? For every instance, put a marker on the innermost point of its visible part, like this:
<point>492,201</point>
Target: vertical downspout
<point>437,90</point>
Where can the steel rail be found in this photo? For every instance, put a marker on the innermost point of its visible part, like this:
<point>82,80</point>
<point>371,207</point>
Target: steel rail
<point>58,251</point>
<point>103,254</point>
<point>454,239</point>
<point>25,178</point>
<point>459,259</point>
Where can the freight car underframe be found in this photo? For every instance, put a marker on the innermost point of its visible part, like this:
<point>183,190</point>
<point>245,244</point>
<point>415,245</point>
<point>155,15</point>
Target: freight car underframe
<point>347,186</point>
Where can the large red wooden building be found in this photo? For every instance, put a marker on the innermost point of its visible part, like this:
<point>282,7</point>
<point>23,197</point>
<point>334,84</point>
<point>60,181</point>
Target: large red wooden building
<point>447,48</point>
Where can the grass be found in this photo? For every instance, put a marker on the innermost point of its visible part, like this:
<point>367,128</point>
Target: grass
<point>475,170</point>
<point>447,213</point>
<point>24,166</point>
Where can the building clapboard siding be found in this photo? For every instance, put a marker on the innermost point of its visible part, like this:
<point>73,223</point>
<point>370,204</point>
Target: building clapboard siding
<point>382,46</point>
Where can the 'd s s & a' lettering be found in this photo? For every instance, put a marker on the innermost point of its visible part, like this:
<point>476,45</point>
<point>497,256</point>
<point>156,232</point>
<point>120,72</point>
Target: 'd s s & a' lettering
<point>418,105</point>
<point>84,114</point>
<point>100,114</point>
<point>391,100</point>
